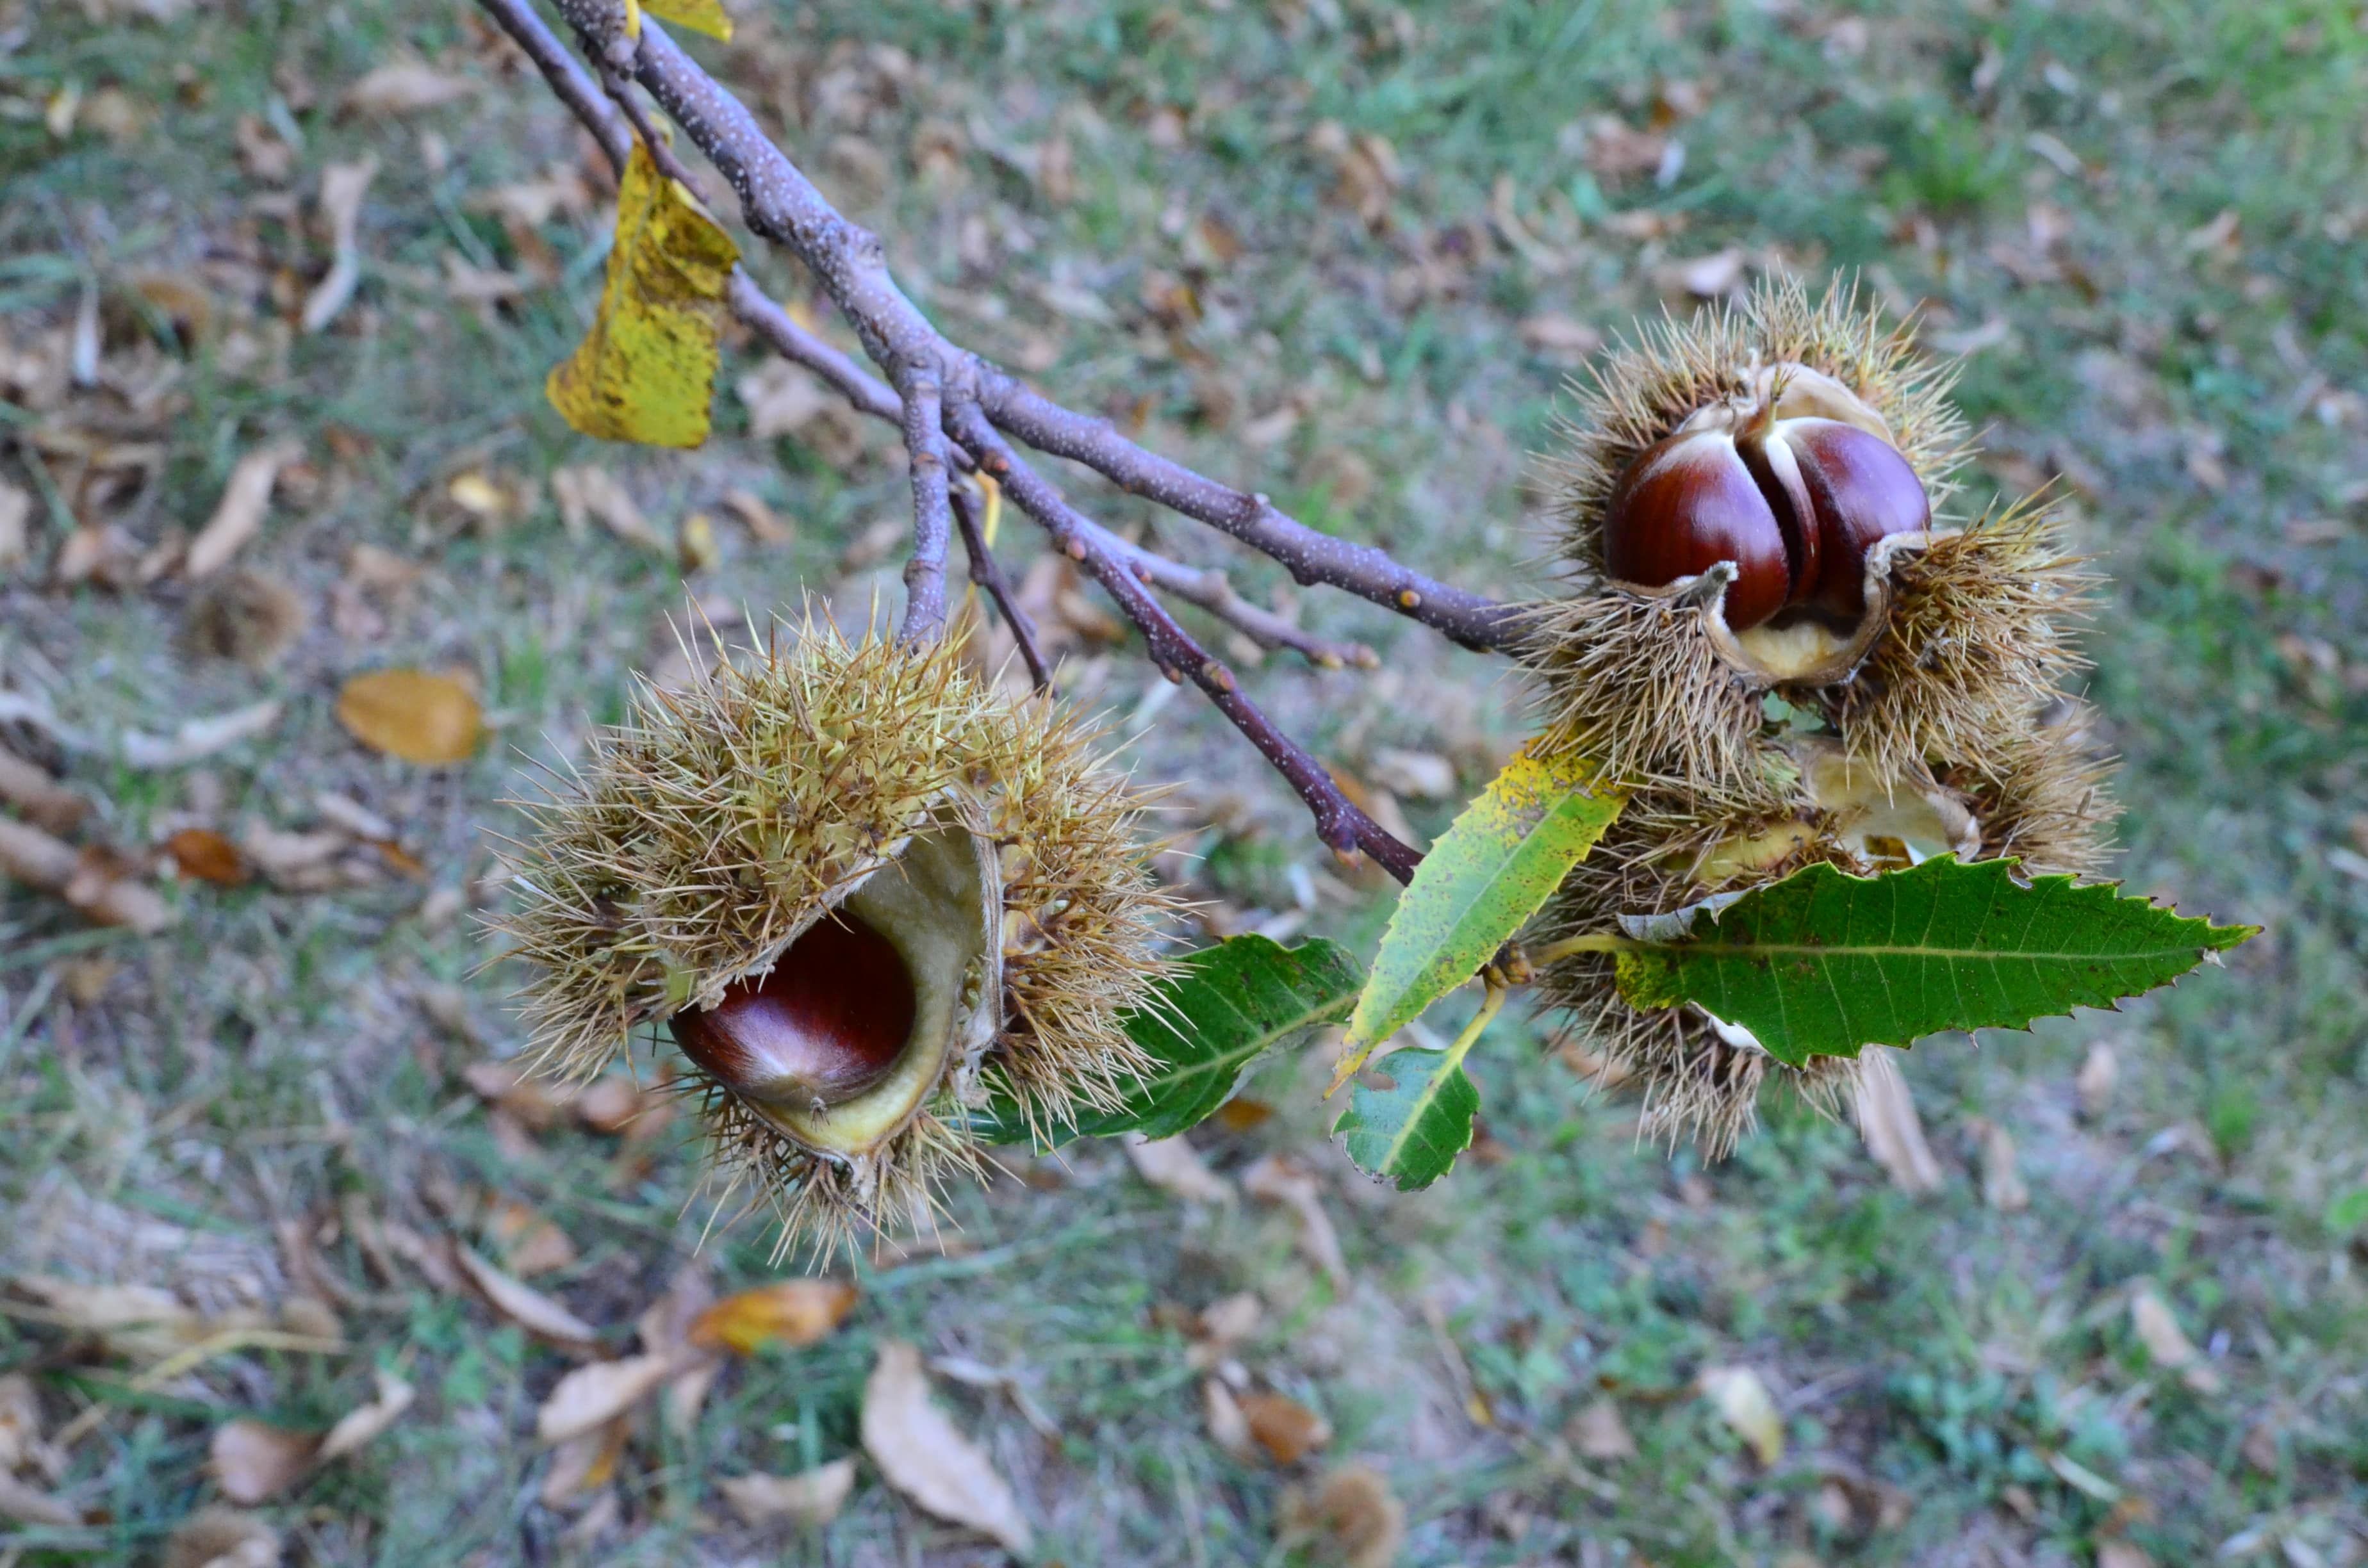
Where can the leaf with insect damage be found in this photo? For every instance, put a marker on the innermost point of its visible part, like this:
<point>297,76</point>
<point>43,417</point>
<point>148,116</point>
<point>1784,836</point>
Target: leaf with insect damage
<point>647,371</point>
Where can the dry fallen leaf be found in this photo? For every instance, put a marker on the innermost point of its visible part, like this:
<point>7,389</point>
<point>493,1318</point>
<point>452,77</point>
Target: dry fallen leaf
<point>2119,1553</point>
<point>925,1457</point>
<point>1744,1404</point>
<point>131,1320</point>
<point>522,1304</point>
<point>195,739</point>
<point>1276,1178</point>
<point>202,853</point>
<point>342,188</point>
<point>361,1426</point>
<point>28,1505</point>
<point>615,1105</point>
<point>592,1396</point>
<point>1598,1433</point>
<point>586,1462</point>
<point>1228,1427</point>
<point>1174,1167</point>
<point>2096,1079</point>
<point>403,87</point>
<point>1285,1428</point>
<point>16,536</point>
<point>20,1426</point>
<point>1351,1517</point>
<point>253,1462</point>
<point>422,718</point>
<point>2003,1188</point>
<point>238,515</point>
<point>1887,1120</point>
<point>221,1538</point>
<point>792,1313</point>
<point>531,1242</point>
<point>2158,1329</point>
<point>42,800</point>
<point>813,1497</point>
<point>586,495</point>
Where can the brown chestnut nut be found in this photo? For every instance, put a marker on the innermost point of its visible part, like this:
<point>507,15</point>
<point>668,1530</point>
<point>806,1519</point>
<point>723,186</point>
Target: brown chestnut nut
<point>1794,504</point>
<point>1688,502</point>
<point>827,1024</point>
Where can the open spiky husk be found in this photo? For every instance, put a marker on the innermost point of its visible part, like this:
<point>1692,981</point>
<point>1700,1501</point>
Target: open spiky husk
<point>2041,799</point>
<point>700,836</point>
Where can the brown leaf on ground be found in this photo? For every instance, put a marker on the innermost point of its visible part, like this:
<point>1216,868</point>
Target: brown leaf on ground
<point>362,1425</point>
<point>535,1102</point>
<point>130,1320</point>
<point>522,1304</point>
<point>1887,1120</point>
<point>1599,1433</point>
<point>197,739</point>
<point>221,1538</point>
<point>1277,1178</point>
<point>2003,1188</point>
<point>812,1498</point>
<point>202,853</point>
<point>2121,1554</point>
<point>41,800</point>
<point>1560,339</point>
<point>790,1313</point>
<point>1222,1325</point>
<point>20,1429</point>
<point>426,719</point>
<point>586,495</point>
<point>593,1396</point>
<point>618,1105</point>
<point>665,1328</point>
<point>15,532</point>
<point>238,515</point>
<point>2099,1072</point>
<point>1174,1167</point>
<point>253,1461</point>
<point>404,86</point>
<point>530,1243</point>
<point>1744,1404</point>
<point>29,1505</point>
<point>924,1456</point>
<point>1285,1428</point>
<point>586,1462</point>
<point>1350,1518</point>
<point>2158,1329</point>
<point>1228,1427</point>
<point>102,887</point>
<point>342,188</point>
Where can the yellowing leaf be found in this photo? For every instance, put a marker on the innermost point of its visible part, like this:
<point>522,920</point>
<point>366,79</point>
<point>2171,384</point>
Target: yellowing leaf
<point>647,371</point>
<point>411,714</point>
<point>1744,1403</point>
<point>1499,860</point>
<point>700,16</point>
<point>794,1313</point>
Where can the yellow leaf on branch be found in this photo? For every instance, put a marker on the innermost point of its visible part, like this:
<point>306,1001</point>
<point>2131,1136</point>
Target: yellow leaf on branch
<point>700,16</point>
<point>647,371</point>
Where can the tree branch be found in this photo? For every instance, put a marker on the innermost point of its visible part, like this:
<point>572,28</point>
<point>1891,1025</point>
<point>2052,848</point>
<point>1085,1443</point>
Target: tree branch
<point>779,202</point>
<point>987,573</point>
<point>924,570</point>
<point>1337,820</point>
<point>1205,586</point>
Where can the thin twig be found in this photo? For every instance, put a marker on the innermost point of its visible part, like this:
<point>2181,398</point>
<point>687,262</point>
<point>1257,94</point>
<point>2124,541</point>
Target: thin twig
<point>987,573</point>
<point>924,570</point>
<point>1337,820</point>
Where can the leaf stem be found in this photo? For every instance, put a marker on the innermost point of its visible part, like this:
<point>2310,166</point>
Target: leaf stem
<point>1570,946</point>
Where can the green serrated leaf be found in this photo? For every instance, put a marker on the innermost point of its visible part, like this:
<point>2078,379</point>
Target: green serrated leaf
<point>1823,963</point>
<point>1224,1007</point>
<point>1480,884</point>
<point>1411,1133</point>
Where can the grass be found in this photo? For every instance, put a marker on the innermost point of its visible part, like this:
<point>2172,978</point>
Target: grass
<point>1959,1385</point>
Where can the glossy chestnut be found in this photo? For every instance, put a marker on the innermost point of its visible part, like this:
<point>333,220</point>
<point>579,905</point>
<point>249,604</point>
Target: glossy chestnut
<point>828,1023</point>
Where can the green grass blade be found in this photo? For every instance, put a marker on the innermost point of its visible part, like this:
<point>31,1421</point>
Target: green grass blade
<point>1501,859</point>
<point>1226,1006</point>
<point>1823,963</point>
